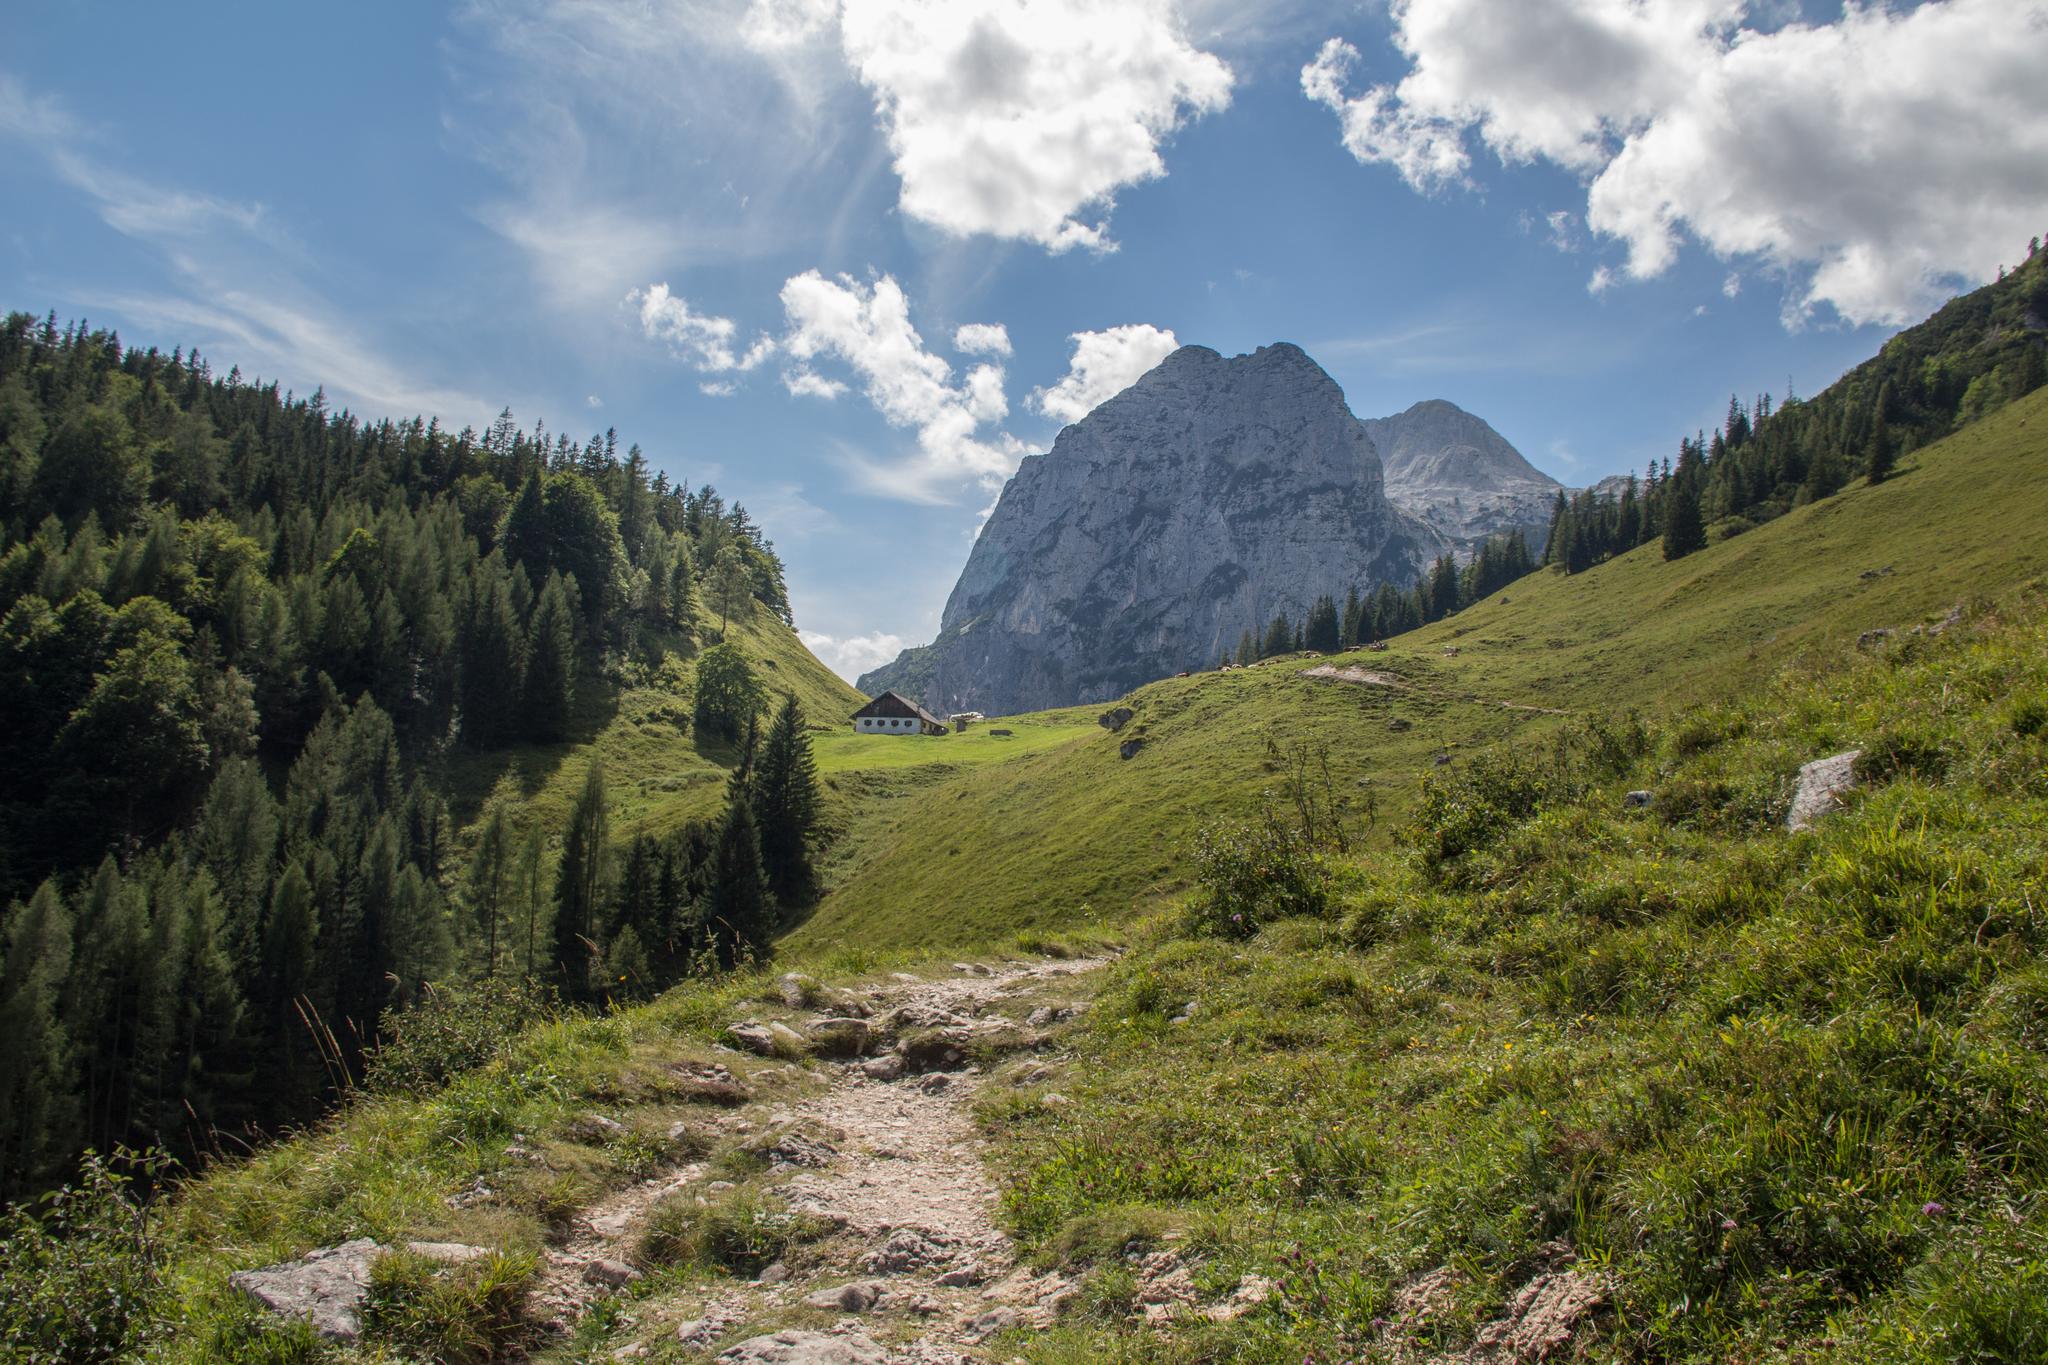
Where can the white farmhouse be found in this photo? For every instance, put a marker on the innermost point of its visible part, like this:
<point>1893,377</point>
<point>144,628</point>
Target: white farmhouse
<point>895,714</point>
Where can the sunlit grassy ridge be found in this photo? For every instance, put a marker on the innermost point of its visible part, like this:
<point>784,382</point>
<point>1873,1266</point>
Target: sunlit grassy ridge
<point>1788,1094</point>
<point>658,773</point>
<point>1075,833</point>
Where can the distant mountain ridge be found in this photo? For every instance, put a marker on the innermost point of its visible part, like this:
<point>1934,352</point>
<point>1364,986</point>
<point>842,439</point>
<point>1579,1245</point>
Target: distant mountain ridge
<point>1210,496</point>
<point>1451,469</point>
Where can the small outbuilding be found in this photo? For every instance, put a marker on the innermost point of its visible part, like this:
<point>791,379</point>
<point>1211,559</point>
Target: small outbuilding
<point>892,713</point>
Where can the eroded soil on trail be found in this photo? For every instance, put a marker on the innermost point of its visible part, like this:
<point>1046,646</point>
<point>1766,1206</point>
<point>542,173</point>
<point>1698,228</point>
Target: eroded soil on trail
<point>860,1119</point>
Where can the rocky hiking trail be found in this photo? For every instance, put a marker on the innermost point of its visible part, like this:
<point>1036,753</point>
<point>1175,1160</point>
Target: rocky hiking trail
<point>850,1115</point>
<point>876,1141</point>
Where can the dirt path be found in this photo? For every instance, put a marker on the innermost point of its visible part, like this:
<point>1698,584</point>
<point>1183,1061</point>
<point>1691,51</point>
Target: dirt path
<point>886,1152</point>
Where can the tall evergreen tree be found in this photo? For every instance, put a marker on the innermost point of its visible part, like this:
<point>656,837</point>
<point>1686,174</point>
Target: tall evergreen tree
<point>1683,530</point>
<point>579,888</point>
<point>524,538</point>
<point>37,1101</point>
<point>491,870</point>
<point>1883,454</point>
<point>1279,637</point>
<point>105,994</point>
<point>1321,631</point>
<point>785,800</point>
<point>740,909</point>
<point>732,585</point>
<point>550,687</point>
<point>289,960</point>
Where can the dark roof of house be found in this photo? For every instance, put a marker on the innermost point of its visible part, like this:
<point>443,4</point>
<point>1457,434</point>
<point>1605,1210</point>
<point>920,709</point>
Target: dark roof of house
<point>896,704</point>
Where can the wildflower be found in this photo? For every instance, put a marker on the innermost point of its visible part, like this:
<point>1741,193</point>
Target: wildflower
<point>1727,1225</point>
<point>1933,1210</point>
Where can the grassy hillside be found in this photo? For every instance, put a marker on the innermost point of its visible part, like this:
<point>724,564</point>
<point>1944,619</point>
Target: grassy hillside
<point>1753,1096</point>
<point>1074,834</point>
<point>657,773</point>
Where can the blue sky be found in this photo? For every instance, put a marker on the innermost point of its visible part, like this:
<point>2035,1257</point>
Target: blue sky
<point>748,233</point>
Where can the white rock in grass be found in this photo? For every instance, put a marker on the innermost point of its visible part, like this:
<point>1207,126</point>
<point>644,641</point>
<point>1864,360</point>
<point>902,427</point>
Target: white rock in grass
<point>1820,788</point>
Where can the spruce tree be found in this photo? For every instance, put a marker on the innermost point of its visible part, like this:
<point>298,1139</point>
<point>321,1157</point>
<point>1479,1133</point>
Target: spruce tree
<point>550,685</point>
<point>524,538</point>
<point>741,908</point>
<point>579,888</point>
<point>1883,454</point>
<point>289,959</point>
<point>1321,631</point>
<point>785,801</point>
<point>1683,532</point>
<point>492,650</point>
<point>105,996</point>
<point>1279,637</point>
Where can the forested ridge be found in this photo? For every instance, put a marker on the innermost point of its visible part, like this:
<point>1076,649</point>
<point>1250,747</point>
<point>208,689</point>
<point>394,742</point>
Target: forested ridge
<point>242,635</point>
<point>1979,352</point>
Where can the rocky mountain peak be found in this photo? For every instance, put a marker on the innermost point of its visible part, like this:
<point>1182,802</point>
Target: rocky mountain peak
<point>1209,496</point>
<point>1453,470</point>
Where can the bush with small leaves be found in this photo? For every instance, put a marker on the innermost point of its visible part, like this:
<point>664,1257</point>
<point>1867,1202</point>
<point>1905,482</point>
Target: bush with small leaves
<point>1251,871</point>
<point>79,1272</point>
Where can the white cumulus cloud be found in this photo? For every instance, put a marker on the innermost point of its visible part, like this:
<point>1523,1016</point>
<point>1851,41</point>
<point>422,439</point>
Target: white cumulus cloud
<point>1023,118</point>
<point>852,655</point>
<point>982,338</point>
<point>1877,157</point>
<point>701,340</point>
<point>803,383</point>
<point>868,328</point>
<point>1104,364</point>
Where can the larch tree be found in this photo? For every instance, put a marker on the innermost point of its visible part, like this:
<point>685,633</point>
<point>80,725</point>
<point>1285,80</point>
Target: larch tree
<point>37,1103</point>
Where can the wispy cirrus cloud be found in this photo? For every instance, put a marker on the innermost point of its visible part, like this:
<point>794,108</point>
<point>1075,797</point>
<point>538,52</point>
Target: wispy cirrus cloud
<point>238,275</point>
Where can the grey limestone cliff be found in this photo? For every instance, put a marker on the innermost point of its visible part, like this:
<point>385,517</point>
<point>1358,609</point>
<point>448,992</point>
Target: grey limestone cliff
<point>1198,503</point>
<point>1457,473</point>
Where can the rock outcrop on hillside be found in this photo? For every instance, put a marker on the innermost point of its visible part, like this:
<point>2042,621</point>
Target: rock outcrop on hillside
<point>1452,470</point>
<point>1197,504</point>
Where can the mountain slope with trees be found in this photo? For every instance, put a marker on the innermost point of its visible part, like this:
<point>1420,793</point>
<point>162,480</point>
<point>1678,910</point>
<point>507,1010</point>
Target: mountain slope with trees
<point>263,665</point>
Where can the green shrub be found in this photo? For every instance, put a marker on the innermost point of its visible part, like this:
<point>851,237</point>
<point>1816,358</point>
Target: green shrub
<point>739,1232</point>
<point>1607,747</point>
<point>79,1273</point>
<point>453,1029</point>
<point>1250,872</point>
<point>1706,728</point>
<point>461,1314</point>
<point>1464,812</point>
<point>1109,1293</point>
